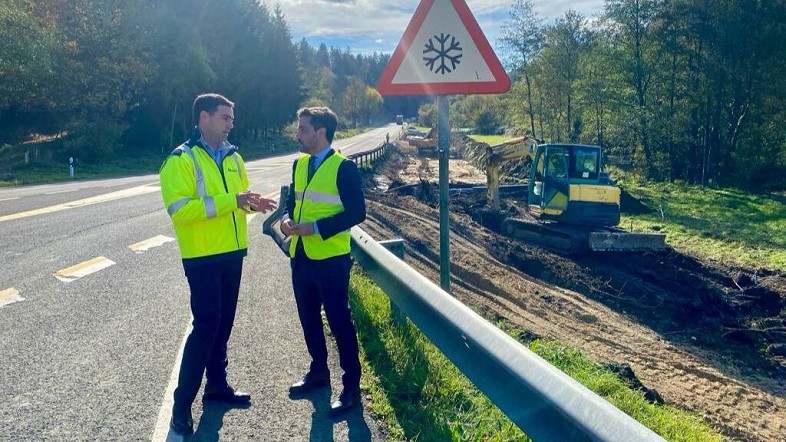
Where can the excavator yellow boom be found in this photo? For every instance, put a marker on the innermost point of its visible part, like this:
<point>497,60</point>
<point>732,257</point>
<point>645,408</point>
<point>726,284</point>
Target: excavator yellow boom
<point>522,147</point>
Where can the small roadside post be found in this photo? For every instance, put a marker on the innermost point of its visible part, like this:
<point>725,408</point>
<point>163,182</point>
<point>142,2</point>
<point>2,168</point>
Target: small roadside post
<point>443,51</point>
<point>71,167</point>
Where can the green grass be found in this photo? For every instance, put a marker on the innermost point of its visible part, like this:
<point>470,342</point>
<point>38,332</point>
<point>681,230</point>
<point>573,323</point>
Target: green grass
<point>349,133</point>
<point>491,140</point>
<point>134,163</point>
<point>727,225</point>
<point>419,394</point>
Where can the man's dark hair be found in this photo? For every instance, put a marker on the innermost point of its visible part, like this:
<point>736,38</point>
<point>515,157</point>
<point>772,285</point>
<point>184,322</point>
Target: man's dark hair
<point>321,117</point>
<point>208,103</point>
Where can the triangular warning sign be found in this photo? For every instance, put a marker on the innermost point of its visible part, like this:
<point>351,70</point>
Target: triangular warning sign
<point>443,51</point>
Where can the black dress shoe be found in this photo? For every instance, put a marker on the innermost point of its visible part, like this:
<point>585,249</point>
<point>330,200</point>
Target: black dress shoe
<point>181,422</point>
<point>227,395</point>
<point>347,400</point>
<point>310,382</point>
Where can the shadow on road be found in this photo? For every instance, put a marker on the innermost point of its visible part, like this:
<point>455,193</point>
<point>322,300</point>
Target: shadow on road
<point>211,421</point>
<point>322,424</point>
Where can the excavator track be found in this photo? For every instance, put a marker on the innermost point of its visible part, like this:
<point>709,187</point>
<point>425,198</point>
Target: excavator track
<point>568,239</point>
<point>562,239</point>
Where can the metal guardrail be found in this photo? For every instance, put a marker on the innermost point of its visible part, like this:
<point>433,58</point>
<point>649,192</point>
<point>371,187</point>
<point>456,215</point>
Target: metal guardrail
<point>366,158</point>
<point>544,402</point>
<point>13,160</point>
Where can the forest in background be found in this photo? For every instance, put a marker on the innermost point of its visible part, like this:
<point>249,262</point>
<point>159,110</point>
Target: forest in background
<point>112,76</point>
<point>686,90</point>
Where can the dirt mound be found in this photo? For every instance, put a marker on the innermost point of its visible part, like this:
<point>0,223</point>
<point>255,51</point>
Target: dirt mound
<point>706,337</point>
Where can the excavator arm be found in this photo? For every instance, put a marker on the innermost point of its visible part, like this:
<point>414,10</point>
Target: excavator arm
<point>517,148</point>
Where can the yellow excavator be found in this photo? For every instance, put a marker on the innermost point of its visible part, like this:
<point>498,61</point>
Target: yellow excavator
<point>572,204</point>
<point>425,145</point>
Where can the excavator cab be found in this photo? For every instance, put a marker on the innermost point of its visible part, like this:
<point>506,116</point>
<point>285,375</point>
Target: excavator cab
<point>565,185</point>
<point>550,189</point>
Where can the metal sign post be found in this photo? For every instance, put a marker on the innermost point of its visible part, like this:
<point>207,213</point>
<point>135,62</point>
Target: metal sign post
<point>443,51</point>
<point>443,144</point>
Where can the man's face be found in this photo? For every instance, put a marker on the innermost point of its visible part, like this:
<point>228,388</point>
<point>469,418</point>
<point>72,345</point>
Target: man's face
<point>307,136</point>
<point>215,128</point>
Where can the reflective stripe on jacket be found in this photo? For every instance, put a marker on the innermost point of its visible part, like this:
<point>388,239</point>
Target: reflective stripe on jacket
<point>315,200</point>
<point>201,200</point>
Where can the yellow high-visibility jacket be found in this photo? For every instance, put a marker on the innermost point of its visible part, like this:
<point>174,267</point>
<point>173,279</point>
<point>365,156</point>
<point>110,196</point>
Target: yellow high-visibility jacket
<point>201,201</point>
<point>315,200</point>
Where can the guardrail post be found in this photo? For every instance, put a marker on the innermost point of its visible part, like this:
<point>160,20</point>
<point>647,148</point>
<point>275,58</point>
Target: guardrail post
<point>396,246</point>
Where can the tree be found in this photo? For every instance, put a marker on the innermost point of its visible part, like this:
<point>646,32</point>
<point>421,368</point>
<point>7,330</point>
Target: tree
<point>28,60</point>
<point>103,73</point>
<point>632,26</point>
<point>522,35</point>
<point>564,43</point>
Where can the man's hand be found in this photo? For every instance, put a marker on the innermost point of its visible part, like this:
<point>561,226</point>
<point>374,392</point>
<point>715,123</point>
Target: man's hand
<point>302,229</point>
<point>251,201</point>
<point>263,205</point>
<point>286,227</point>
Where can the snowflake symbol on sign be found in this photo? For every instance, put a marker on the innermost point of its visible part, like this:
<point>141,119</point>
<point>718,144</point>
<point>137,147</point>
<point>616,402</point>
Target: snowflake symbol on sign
<point>437,58</point>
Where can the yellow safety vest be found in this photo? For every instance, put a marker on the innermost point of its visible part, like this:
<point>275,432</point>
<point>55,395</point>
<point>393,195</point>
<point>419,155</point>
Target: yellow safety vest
<point>201,200</point>
<point>316,200</point>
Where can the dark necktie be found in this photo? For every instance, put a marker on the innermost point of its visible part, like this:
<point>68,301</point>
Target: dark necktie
<point>312,166</point>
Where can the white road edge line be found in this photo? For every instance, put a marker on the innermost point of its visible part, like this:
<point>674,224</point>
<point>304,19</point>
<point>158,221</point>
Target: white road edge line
<point>9,296</point>
<point>161,431</point>
<point>9,199</point>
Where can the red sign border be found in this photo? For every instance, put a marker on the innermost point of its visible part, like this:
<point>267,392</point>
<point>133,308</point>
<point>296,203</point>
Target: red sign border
<point>498,86</point>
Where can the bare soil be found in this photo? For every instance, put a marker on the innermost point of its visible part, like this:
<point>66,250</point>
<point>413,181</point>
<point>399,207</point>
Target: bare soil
<point>703,336</point>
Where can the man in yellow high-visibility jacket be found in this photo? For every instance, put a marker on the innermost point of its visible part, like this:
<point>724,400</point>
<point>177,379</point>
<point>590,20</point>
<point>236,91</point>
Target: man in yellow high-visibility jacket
<point>325,201</point>
<point>204,187</point>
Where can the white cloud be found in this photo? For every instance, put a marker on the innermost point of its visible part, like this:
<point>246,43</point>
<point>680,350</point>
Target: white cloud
<point>366,26</point>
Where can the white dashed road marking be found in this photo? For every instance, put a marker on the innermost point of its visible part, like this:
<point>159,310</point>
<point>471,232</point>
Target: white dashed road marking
<point>83,269</point>
<point>148,244</point>
<point>9,296</point>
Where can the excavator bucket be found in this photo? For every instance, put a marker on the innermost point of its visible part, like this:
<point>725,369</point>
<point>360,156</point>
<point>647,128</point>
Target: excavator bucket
<point>626,242</point>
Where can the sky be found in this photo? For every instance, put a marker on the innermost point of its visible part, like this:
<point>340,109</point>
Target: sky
<point>367,26</point>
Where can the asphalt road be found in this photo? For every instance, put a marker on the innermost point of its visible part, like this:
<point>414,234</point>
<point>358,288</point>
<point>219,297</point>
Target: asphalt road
<point>94,310</point>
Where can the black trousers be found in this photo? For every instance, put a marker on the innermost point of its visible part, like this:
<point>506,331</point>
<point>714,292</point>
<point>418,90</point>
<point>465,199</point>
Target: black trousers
<point>326,283</point>
<point>214,293</point>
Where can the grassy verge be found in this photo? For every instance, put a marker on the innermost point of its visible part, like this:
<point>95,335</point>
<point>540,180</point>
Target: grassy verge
<point>126,163</point>
<point>722,224</point>
<point>137,162</point>
<point>491,140</point>
<point>420,395</point>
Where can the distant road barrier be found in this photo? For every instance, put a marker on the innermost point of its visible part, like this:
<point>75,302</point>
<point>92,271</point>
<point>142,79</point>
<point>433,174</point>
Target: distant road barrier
<point>12,160</point>
<point>368,157</point>
<point>544,402</point>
